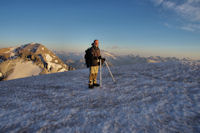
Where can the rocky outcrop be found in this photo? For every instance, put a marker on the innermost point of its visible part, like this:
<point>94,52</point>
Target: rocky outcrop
<point>36,53</point>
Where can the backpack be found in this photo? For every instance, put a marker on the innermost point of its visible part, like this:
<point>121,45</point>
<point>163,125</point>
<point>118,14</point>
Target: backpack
<point>88,57</point>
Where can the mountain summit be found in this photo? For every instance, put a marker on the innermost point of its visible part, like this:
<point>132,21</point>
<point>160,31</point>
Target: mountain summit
<point>151,98</point>
<point>28,60</point>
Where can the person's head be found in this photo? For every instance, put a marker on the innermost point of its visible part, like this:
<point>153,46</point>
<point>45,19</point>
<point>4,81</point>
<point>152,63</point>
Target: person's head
<point>96,43</point>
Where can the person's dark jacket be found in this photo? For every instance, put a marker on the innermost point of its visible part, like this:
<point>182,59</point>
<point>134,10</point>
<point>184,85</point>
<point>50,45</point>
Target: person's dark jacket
<point>95,56</point>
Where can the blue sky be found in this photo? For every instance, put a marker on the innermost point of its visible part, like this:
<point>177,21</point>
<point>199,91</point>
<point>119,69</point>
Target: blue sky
<point>144,27</point>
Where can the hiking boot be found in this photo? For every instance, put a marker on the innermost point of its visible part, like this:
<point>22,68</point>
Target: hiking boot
<point>91,86</point>
<point>97,85</point>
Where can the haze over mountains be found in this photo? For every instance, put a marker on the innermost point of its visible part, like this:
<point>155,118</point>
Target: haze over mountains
<point>34,59</point>
<point>76,60</point>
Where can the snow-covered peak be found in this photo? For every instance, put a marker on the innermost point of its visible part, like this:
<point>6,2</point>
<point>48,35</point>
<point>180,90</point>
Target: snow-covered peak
<point>107,54</point>
<point>35,52</point>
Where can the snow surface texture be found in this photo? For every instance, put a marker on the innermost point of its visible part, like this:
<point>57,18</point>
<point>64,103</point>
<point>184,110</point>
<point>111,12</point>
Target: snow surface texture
<point>24,69</point>
<point>160,97</point>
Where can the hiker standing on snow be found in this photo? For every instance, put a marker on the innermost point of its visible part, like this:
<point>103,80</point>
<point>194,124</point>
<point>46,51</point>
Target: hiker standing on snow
<point>93,57</point>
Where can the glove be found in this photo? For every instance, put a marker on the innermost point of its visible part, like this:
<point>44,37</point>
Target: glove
<point>102,61</point>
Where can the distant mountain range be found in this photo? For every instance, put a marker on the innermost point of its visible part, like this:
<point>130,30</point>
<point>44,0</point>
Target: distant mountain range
<point>34,59</point>
<point>27,60</point>
<point>76,60</point>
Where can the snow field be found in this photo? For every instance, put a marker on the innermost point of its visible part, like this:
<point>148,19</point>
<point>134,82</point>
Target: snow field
<point>161,97</point>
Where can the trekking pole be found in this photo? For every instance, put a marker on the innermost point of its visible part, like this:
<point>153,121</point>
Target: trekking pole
<point>110,72</point>
<point>100,74</point>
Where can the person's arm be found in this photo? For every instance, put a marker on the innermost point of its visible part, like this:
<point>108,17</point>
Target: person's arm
<point>99,55</point>
<point>100,58</point>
